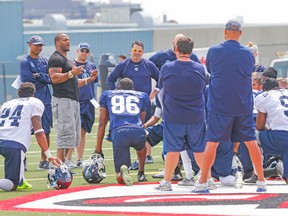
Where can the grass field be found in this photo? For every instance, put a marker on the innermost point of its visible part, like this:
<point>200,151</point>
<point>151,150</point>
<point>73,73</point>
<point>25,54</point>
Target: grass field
<point>38,178</point>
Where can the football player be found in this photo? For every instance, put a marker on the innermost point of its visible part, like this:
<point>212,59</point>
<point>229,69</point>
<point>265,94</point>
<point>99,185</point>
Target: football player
<point>126,110</point>
<point>18,117</point>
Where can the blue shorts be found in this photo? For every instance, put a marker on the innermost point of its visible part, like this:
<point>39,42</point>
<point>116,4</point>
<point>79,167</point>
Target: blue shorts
<point>14,163</point>
<point>123,138</point>
<point>275,142</point>
<point>47,119</point>
<point>222,128</point>
<point>87,113</point>
<point>180,137</point>
<point>155,134</point>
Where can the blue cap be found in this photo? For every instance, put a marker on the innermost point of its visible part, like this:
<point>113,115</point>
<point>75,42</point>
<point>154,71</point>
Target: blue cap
<point>233,25</point>
<point>36,40</point>
<point>84,45</point>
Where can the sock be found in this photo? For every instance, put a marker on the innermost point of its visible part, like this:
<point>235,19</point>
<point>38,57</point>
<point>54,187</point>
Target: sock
<point>6,184</point>
<point>186,164</point>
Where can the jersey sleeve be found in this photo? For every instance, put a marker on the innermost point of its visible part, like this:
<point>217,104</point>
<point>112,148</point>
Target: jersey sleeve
<point>37,107</point>
<point>102,100</point>
<point>260,101</point>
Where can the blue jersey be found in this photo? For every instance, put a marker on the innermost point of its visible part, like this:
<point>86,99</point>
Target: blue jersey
<point>140,73</point>
<point>28,68</point>
<point>183,86</point>
<point>230,65</point>
<point>86,92</point>
<point>162,57</point>
<point>124,106</point>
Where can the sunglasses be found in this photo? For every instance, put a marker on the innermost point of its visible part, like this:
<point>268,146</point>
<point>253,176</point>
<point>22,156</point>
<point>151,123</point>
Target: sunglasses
<point>83,50</point>
<point>137,50</point>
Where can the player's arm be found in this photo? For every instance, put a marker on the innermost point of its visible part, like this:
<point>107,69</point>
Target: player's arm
<point>26,75</point>
<point>58,77</point>
<point>103,120</point>
<point>155,118</point>
<point>85,81</point>
<point>261,121</point>
<point>42,141</point>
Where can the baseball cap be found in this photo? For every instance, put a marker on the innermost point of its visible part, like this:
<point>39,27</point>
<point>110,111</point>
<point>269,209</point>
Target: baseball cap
<point>84,45</point>
<point>36,40</point>
<point>233,25</point>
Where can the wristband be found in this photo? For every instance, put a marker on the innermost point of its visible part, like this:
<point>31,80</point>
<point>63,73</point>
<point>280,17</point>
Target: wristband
<point>48,153</point>
<point>39,131</point>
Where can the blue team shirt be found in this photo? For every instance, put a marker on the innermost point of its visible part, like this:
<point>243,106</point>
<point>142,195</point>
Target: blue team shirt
<point>140,73</point>
<point>86,92</point>
<point>183,86</point>
<point>30,66</point>
<point>162,57</point>
<point>230,90</point>
<point>124,106</point>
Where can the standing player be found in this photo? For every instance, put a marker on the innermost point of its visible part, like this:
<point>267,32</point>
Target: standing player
<point>230,102</point>
<point>34,68</point>
<point>126,110</point>
<point>18,117</point>
<point>65,101</point>
<point>86,96</point>
<point>183,108</point>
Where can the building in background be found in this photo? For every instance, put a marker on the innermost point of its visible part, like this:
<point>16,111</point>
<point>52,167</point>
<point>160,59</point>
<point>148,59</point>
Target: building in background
<point>109,29</point>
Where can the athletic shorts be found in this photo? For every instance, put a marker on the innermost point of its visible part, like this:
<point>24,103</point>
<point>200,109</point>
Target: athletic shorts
<point>47,119</point>
<point>275,142</point>
<point>14,163</point>
<point>67,122</point>
<point>87,113</point>
<point>174,135</point>
<point>155,134</point>
<point>222,128</point>
<point>123,138</point>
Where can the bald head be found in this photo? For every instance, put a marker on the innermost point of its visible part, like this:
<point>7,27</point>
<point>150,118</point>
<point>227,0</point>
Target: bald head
<point>176,38</point>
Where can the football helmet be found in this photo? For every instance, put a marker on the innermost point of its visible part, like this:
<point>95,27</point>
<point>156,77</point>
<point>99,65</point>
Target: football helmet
<point>60,178</point>
<point>93,170</point>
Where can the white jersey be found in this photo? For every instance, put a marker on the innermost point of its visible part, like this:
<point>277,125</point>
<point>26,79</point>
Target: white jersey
<point>15,119</point>
<point>275,104</point>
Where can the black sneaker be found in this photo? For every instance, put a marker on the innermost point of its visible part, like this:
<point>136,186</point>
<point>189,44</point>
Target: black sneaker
<point>141,177</point>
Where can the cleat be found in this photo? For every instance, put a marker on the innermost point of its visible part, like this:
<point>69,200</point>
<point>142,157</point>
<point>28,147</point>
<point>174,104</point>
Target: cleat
<point>211,184</point>
<point>44,165</point>
<point>159,175</point>
<point>261,186</point>
<point>79,163</point>
<point>177,177</point>
<point>253,179</point>
<point>149,159</point>
<point>200,188</point>
<point>141,177</point>
<point>125,176</point>
<point>164,186</point>
<point>186,182</point>
<point>25,185</point>
<point>135,165</point>
<point>70,164</point>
